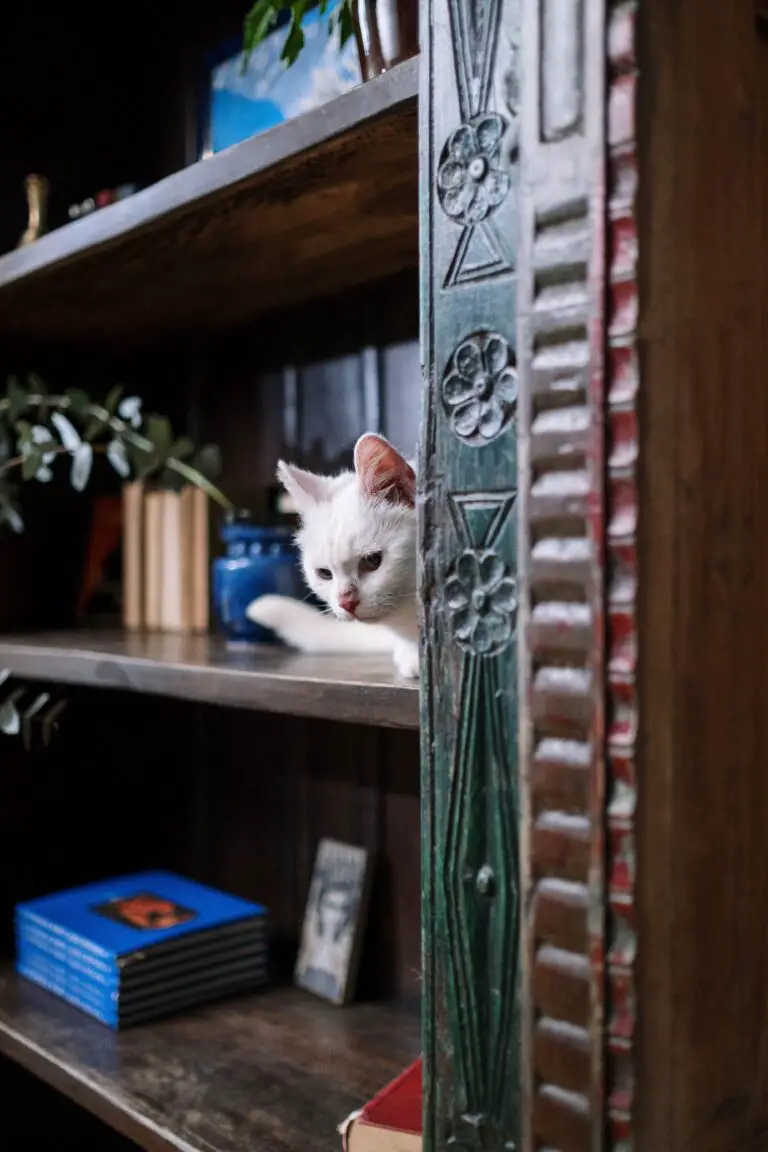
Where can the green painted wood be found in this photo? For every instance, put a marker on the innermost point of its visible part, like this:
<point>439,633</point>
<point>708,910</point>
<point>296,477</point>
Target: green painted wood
<point>468,478</point>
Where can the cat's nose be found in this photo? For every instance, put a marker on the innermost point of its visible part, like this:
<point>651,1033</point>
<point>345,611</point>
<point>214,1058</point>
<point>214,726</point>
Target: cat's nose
<point>349,601</point>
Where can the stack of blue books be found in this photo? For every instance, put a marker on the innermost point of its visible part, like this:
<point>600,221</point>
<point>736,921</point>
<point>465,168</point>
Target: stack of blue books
<point>137,947</point>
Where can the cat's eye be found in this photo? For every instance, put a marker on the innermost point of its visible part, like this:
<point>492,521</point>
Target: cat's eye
<point>371,562</point>
<point>324,574</point>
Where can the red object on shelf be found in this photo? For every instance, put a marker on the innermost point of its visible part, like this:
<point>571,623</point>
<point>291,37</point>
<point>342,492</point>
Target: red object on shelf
<point>391,1121</point>
<point>104,198</point>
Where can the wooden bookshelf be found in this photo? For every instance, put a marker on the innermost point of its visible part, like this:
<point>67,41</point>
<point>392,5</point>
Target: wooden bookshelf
<point>265,678</point>
<point>326,201</point>
<point>273,1071</point>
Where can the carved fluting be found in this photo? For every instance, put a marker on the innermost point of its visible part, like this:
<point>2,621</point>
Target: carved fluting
<point>621,537</point>
<point>562,632</point>
<point>560,412</point>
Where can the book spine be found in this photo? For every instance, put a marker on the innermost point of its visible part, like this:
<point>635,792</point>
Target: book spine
<point>35,959</point>
<point>200,561</point>
<point>70,954</point>
<point>48,980</point>
<point>24,915</point>
<point>133,556</point>
<point>153,558</point>
<point>172,596</point>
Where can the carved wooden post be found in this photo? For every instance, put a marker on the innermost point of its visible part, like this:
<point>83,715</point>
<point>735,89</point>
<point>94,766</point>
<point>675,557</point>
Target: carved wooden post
<point>470,138</point>
<point>516,519</point>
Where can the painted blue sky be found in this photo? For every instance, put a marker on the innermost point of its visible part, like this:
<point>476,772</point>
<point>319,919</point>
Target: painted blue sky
<point>269,93</point>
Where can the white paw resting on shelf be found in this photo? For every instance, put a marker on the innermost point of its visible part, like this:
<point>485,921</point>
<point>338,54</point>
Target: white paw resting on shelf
<point>305,628</point>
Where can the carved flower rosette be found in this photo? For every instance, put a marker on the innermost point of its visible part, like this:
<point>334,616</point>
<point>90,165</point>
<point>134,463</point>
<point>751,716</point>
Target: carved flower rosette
<point>479,388</point>
<point>481,599</point>
<point>471,182</point>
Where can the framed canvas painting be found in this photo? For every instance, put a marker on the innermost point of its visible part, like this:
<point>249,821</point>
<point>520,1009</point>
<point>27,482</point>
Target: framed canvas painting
<point>237,104</point>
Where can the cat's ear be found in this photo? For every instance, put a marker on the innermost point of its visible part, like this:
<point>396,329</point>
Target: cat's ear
<point>307,488</point>
<point>383,472</point>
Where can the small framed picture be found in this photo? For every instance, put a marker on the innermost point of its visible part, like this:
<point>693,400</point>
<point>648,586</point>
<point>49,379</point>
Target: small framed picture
<point>236,103</point>
<point>334,922</point>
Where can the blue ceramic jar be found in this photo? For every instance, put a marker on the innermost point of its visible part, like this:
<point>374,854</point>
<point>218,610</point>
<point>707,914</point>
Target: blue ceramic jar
<point>259,561</point>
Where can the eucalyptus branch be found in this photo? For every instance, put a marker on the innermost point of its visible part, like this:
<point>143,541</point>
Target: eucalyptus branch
<point>59,450</point>
<point>147,444</point>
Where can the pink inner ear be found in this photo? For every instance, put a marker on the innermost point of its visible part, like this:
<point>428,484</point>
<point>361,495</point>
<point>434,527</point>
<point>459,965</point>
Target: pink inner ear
<point>384,472</point>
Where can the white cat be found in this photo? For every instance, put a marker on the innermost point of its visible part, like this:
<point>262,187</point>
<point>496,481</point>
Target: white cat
<point>358,552</point>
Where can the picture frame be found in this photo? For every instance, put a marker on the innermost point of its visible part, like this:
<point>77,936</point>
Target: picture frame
<point>334,922</point>
<point>236,104</point>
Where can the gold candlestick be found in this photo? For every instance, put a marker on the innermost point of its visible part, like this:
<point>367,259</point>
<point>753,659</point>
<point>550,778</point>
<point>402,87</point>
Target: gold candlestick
<point>37,189</point>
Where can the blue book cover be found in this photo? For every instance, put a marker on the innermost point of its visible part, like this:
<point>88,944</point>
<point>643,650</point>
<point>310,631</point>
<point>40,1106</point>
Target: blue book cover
<point>118,918</point>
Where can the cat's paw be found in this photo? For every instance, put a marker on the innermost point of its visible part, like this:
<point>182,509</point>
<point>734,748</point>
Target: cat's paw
<point>406,658</point>
<point>274,612</point>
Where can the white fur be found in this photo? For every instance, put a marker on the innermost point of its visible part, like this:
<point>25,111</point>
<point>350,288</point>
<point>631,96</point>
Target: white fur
<point>343,519</point>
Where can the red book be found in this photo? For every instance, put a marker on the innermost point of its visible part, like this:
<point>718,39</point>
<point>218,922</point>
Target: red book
<point>391,1122</point>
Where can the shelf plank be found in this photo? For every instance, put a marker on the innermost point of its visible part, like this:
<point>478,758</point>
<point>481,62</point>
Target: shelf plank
<point>323,202</point>
<point>275,1071</point>
<point>264,677</point>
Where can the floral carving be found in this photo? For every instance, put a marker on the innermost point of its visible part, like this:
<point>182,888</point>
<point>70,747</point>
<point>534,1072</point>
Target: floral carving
<point>480,388</point>
<point>471,182</point>
<point>481,598</point>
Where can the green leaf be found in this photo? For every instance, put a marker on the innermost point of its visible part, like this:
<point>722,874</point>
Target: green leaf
<point>294,41</point>
<point>182,448</point>
<point>159,432</point>
<point>118,458</point>
<point>94,428</point>
<point>113,399</point>
<point>10,721</point>
<point>79,401</point>
<point>30,464</point>
<point>144,462</point>
<point>10,515</point>
<point>5,446</point>
<point>259,22</point>
<point>346,22</point>
<point>82,461</point>
<point>70,437</point>
<point>36,385</point>
<point>24,433</point>
<point>17,399</point>
<point>208,461</point>
<point>172,481</point>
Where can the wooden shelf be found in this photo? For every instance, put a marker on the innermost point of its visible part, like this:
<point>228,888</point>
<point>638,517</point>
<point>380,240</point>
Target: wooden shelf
<point>267,678</point>
<point>274,1071</point>
<point>321,203</point>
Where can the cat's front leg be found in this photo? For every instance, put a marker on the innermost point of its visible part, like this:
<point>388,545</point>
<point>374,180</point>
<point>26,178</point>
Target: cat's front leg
<point>406,656</point>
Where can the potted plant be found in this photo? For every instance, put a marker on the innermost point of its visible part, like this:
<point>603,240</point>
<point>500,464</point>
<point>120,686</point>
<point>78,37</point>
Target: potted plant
<point>37,427</point>
<point>386,31</point>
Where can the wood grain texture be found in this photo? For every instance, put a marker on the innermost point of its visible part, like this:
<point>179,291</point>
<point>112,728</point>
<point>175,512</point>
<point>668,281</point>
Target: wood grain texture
<point>561,294</point>
<point>468,487</point>
<point>272,679</point>
<point>623,380</point>
<point>275,1072</point>
<point>323,202</point>
<point>702,850</point>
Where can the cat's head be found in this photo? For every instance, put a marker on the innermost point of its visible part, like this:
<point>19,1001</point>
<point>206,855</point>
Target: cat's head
<point>358,531</point>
